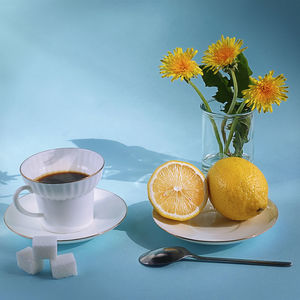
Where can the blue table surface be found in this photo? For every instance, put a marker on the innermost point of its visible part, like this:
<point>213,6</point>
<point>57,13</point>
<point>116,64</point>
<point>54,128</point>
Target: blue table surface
<point>85,74</point>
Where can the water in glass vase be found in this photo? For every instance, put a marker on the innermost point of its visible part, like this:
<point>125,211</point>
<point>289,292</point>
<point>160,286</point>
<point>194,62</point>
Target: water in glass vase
<point>225,135</point>
<point>211,159</point>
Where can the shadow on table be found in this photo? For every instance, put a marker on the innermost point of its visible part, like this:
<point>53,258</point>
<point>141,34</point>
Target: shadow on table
<point>127,163</point>
<point>136,164</point>
<point>4,177</point>
<point>141,229</point>
<point>3,208</point>
<point>8,247</point>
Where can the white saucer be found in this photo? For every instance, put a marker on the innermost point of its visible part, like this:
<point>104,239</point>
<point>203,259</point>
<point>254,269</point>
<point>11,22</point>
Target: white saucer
<point>109,211</point>
<point>209,227</point>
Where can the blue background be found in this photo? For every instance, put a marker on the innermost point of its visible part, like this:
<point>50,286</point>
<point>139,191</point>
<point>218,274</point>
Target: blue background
<point>86,74</point>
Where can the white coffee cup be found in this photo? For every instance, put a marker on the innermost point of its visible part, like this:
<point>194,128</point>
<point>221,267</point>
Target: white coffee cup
<point>63,207</point>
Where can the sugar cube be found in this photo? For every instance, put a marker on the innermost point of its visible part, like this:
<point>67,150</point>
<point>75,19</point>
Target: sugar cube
<point>27,262</point>
<point>63,265</point>
<point>44,246</point>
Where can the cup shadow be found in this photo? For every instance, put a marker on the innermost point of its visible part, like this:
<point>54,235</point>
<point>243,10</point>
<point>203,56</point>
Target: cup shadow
<point>127,163</point>
<point>141,229</point>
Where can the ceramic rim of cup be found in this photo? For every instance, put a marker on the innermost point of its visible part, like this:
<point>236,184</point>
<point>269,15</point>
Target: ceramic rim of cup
<point>67,148</point>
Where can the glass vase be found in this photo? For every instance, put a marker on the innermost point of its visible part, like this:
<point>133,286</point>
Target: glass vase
<point>225,135</point>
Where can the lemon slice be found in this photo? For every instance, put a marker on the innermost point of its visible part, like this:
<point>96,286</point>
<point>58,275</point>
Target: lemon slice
<point>177,190</point>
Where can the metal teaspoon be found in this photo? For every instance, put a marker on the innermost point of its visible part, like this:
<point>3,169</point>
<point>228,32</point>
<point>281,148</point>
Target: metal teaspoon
<point>165,256</point>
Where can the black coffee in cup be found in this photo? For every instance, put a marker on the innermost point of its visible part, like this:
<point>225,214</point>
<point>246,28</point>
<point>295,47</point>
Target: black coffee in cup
<point>61,177</point>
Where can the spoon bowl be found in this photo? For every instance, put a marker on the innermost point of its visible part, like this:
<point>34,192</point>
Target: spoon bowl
<point>163,256</point>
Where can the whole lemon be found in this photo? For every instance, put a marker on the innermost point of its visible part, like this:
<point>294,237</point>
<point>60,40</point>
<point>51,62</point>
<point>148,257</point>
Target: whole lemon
<point>237,188</point>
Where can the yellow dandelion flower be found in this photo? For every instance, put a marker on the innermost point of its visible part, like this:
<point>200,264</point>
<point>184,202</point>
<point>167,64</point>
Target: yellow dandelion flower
<point>180,65</point>
<point>262,93</point>
<point>222,54</point>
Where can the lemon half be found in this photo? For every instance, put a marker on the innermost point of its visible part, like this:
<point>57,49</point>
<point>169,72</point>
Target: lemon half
<point>177,190</point>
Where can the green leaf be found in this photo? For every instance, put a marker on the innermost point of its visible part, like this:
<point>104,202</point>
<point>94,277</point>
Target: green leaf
<point>241,135</point>
<point>224,93</point>
<point>242,74</point>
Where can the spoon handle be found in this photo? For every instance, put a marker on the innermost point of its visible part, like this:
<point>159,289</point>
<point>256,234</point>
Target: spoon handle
<point>241,261</point>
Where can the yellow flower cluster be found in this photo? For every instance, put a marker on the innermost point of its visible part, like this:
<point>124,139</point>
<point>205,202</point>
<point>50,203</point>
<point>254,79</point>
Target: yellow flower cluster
<point>261,94</point>
<point>180,65</point>
<point>222,54</point>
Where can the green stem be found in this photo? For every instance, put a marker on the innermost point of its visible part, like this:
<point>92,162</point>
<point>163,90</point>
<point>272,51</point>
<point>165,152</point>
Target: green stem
<point>235,93</point>
<point>201,96</point>
<point>233,126</point>
<point>212,120</point>
<point>232,105</point>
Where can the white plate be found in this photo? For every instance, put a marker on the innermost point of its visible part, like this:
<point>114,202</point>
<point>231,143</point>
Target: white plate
<point>209,227</point>
<point>109,211</point>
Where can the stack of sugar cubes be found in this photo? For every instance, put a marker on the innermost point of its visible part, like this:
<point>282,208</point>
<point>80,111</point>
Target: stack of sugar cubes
<point>31,261</point>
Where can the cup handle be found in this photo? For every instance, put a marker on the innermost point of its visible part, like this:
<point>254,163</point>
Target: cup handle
<point>18,205</point>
